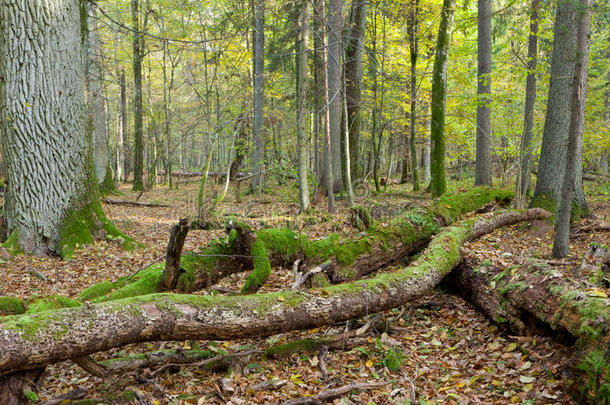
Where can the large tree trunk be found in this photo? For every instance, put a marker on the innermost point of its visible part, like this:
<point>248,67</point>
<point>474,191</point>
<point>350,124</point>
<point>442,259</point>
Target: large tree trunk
<point>482,174</point>
<point>31,342</point>
<point>525,155</point>
<point>353,81</point>
<point>561,245</point>
<point>123,134</point>
<point>301,95</point>
<point>258,60</point>
<point>47,154</point>
<point>551,168</point>
<point>438,183</point>
<point>334,49</point>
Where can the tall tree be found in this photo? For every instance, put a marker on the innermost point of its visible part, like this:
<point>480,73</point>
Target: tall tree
<point>551,168</point>
<point>328,169</point>
<point>483,162</point>
<point>561,245</point>
<point>138,129</point>
<point>301,96</point>
<point>525,153</point>
<point>413,51</point>
<point>334,49</point>
<point>52,201</point>
<point>438,183</point>
<point>258,61</point>
<point>353,80</point>
<point>122,159</point>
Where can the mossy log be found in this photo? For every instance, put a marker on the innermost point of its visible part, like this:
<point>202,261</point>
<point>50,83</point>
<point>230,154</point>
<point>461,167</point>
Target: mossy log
<point>535,298</point>
<point>33,340</point>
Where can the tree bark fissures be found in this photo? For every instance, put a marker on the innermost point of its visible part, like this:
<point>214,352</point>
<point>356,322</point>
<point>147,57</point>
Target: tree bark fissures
<point>173,253</point>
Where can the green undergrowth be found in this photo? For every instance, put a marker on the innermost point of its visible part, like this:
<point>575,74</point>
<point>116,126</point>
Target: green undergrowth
<point>80,225</point>
<point>595,386</point>
<point>11,306</point>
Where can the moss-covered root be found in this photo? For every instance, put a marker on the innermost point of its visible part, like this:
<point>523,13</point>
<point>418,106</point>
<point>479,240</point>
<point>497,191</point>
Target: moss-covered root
<point>79,227</point>
<point>262,268</point>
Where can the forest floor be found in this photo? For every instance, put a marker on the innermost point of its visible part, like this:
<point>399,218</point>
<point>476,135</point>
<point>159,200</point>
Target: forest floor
<point>450,352</point>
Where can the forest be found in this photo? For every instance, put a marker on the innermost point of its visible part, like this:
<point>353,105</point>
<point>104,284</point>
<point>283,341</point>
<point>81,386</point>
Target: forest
<point>304,202</point>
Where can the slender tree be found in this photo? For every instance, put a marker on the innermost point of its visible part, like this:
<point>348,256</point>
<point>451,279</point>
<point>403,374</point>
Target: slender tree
<point>258,54</point>
<point>413,47</point>
<point>301,96</point>
<point>328,171</point>
<point>334,48</point>
<point>525,153</point>
<point>483,152</point>
<point>561,245</point>
<point>353,80</point>
<point>138,129</point>
<point>438,183</point>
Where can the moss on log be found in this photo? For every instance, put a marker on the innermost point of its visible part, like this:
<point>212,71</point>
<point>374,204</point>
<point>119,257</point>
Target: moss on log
<point>34,340</point>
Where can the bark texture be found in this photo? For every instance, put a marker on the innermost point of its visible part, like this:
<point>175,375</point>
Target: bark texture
<point>301,95</point>
<point>43,119</point>
<point>551,168</point>
<point>258,61</point>
<point>138,130</point>
<point>334,61</point>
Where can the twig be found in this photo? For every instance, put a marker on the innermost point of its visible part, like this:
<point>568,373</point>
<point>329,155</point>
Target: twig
<point>334,393</point>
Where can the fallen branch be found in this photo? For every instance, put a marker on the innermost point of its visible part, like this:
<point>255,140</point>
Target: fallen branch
<point>135,203</point>
<point>334,393</point>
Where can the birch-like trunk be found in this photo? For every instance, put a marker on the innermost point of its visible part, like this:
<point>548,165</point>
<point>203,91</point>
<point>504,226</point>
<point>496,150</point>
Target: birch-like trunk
<point>301,90</point>
<point>258,50</point>
<point>43,128</point>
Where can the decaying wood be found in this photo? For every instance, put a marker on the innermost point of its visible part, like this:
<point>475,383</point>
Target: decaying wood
<point>33,341</point>
<point>173,253</point>
<point>134,203</point>
<point>12,386</point>
<point>334,393</point>
<point>67,398</point>
<point>89,365</point>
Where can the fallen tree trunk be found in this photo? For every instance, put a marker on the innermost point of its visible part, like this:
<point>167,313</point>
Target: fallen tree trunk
<point>537,299</point>
<point>34,340</point>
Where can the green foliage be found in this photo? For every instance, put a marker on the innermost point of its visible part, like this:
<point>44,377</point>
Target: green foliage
<point>596,388</point>
<point>11,306</point>
<point>393,359</point>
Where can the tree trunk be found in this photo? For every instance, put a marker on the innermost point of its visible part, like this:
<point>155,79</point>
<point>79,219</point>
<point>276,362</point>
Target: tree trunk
<point>483,162</point>
<point>561,245</point>
<point>31,342</point>
<point>258,60</point>
<point>328,166</point>
<point>525,155</point>
<point>551,168</point>
<point>95,98</point>
<point>124,133</point>
<point>47,155</point>
<point>439,84</point>
<point>334,49</point>
<point>301,96</point>
<point>353,79</point>
<point>426,154</point>
<point>413,17</point>
<point>138,129</point>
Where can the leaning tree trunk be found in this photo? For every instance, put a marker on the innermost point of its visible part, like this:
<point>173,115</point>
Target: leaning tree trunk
<point>45,152</point>
<point>483,162</point>
<point>438,183</point>
<point>551,168</point>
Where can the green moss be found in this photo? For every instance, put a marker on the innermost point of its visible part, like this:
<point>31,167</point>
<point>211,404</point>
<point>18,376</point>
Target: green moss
<point>302,345</point>
<point>108,185</point>
<point>79,226</point>
<point>146,281</point>
<point>595,388</point>
<point>262,268</point>
<point>451,206</point>
<point>11,306</point>
<point>12,243</point>
<point>547,201</point>
<point>30,395</point>
<point>101,289</point>
<point>393,359</point>
<point>39,304</point>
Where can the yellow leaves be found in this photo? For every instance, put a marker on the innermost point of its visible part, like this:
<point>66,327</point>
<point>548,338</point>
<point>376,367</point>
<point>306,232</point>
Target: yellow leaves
<point>296,378</point>
<point>511,347</point>
<point>596,292</point>
<point>281,298</point>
